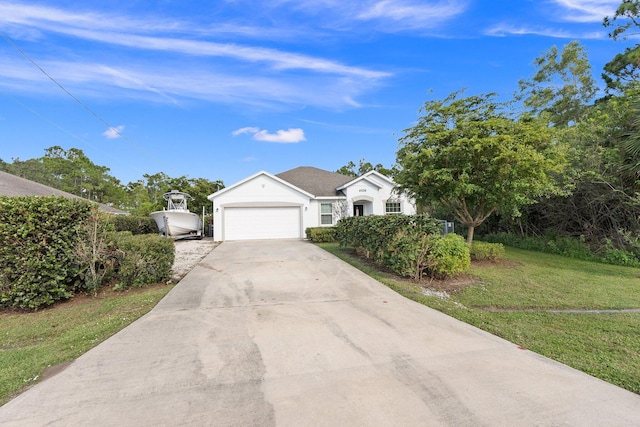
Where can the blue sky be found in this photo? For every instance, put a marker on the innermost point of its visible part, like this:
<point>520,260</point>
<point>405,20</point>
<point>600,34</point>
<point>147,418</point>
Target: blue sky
<point>224,89</point>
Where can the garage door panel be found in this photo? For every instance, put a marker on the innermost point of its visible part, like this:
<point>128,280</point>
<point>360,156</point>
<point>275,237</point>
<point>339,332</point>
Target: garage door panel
<point>250,223</point>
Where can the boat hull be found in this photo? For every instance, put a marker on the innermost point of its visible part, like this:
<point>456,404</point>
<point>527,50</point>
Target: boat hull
<point>177,223</point>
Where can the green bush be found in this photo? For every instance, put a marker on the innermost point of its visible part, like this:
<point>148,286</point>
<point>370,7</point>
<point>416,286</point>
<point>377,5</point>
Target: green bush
<point>143,259</point>
<point>38,238</point>
<point>134,224</point>
<point>321,234</point>
<point>449,255</point>
<point>568,246</point>
<point>481,251</point>
<point>406,244</point>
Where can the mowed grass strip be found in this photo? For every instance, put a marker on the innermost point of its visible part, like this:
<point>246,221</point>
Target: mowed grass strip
<point>512,300</point>
<point>30,343</point>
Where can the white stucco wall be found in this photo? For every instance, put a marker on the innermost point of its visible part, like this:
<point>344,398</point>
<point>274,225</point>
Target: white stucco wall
<point>374,193</point>
<point>266,190</point>
<point>258,191</point>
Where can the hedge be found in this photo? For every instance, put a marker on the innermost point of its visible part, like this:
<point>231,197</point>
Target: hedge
<point>410,245</point>
<point>38,236</point>
<point>321,234</point>
<point>143,259</point>
<point>134,224</point>
<point>54,247</point>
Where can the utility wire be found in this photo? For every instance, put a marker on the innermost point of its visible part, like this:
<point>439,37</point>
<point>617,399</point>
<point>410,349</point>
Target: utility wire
<point>93,113</point>
<point>86,107</point>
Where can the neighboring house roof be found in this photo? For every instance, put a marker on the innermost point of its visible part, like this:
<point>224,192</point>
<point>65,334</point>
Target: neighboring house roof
<point>320,183</point>
<point>13,185</point>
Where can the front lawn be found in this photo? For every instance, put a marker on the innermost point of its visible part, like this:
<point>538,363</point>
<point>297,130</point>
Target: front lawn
<point>33,342</point>
<point>517,300</point>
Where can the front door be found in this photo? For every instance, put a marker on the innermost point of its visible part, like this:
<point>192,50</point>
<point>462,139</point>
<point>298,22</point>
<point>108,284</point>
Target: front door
<point>358,210</point>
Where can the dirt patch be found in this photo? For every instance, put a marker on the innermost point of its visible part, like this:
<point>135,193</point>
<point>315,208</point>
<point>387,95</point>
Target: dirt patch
<point>188,254</point>
<point>451,284</point>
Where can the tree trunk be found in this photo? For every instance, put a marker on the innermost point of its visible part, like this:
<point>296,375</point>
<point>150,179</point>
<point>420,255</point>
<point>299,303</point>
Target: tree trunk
<point>470,234</point>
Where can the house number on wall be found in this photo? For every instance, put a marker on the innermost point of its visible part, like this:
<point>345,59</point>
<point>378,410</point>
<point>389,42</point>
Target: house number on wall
<point>363,190</point>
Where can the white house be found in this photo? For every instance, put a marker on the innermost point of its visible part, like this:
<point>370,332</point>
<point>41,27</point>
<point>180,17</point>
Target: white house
<point>282,206</point>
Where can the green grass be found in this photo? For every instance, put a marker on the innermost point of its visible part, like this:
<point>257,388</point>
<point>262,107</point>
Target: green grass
<point>32,342</point>
<point>547,281</point>
<point>512,301</point>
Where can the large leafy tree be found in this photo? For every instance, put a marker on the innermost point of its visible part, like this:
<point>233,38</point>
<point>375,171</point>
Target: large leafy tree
<point>467,154</point>
<point>561,87</point>
<point>624,68</point>
<point>71,171</point>
<point>146,194</point>
<point>603,205</point>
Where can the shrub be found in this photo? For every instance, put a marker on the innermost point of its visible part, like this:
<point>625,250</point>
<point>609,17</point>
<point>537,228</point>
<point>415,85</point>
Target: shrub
<point>95,250</point>
<point>568,246</point>
<point>321,234</point>
<point>134,224</point>
<point>38,237</point>
<point>449,255</point>
<point>481,251</point>
<point>406,244</point>
<point>143,259</point>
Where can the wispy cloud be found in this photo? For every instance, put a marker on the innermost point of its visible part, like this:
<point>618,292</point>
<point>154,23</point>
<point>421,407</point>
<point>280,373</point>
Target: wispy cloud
<point>502,30</point>
<point>101,28</point>
<point>244,130</point>
<point>388,16</point>
<point>113,132</point>
<point>586,10</point>
<point>411,14</point>
<point>289,136</point>
<point>219,72</point>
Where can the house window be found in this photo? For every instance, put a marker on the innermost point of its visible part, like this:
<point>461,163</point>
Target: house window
<point>393,207</point>
<point>326,214</point>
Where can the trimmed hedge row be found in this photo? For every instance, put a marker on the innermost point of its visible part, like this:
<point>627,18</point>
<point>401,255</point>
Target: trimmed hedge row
<point>54,247</point>
<point>143,259</point>
<point>134,224</point>
<point>321,234</point>
<point>410,245</point>
<point>38,236</point>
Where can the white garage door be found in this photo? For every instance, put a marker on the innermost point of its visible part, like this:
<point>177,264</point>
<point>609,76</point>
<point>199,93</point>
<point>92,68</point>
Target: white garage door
<point>261,223</point>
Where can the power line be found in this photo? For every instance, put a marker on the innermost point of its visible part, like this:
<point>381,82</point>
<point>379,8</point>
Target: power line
<point>93,113</point>
<point>86,107</point>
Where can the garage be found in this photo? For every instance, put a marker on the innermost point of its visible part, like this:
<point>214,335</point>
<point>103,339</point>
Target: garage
<point>251,223</point>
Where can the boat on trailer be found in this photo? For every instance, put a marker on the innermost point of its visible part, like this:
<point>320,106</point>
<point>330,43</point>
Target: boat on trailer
<point>176,221</point>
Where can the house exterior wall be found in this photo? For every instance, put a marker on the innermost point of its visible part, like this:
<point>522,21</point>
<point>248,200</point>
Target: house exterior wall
<point>264,190</point>
<point>374,194</point>
<point>259,191</point>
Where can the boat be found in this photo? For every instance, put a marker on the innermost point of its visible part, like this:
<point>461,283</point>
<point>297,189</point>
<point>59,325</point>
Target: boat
<point>176,221</point>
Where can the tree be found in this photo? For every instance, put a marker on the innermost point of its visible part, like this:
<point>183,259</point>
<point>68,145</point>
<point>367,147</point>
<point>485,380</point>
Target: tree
<point>468,155</point>
<point>363,167</point>
<point>624,68</point>
<point>562,87</point>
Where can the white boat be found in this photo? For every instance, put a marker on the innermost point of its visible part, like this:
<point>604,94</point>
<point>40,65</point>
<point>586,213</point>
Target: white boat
<point>176,220</point>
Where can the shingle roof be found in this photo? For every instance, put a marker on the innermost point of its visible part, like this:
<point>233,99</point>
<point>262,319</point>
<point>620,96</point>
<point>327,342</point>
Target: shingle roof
<point>315,181</point>
<point>12,185</point>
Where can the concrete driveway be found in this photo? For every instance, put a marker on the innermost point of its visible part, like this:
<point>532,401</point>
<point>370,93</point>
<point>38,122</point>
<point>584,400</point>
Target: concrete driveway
<point>281,333</point>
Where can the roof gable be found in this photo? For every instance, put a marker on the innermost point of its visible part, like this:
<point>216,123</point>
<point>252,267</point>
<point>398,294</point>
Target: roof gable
<point>319,182</point>
<point>254,176</point>
<point>373,177</point>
